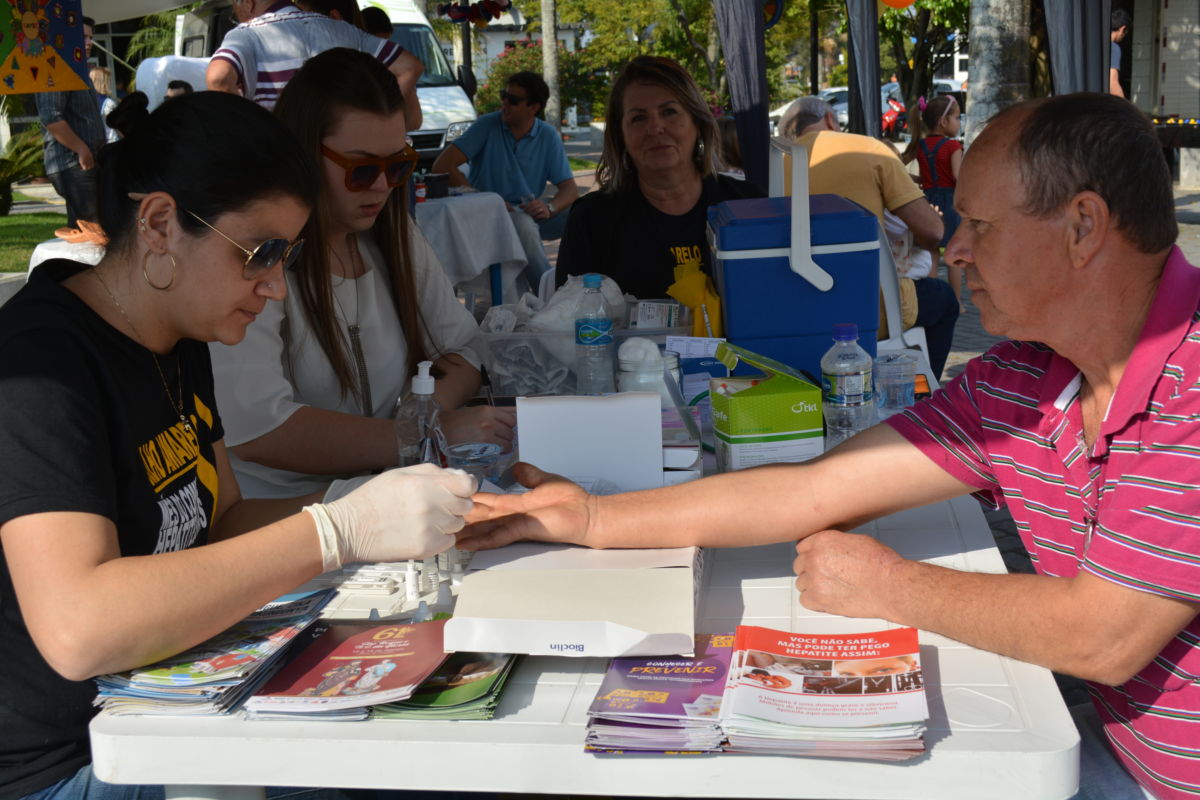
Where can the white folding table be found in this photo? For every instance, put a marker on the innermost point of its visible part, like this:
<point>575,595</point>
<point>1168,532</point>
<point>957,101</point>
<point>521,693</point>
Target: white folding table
<point>998,728</point>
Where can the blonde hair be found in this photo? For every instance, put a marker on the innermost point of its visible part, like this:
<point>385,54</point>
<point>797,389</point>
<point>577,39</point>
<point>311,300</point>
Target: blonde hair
<point>102,80</point>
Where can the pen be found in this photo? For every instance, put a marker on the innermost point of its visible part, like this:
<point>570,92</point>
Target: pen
<point>707,321</point>
<point>487,385</point>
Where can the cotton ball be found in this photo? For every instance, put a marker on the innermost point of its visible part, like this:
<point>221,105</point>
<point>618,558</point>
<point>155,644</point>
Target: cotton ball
<point>640,349</point>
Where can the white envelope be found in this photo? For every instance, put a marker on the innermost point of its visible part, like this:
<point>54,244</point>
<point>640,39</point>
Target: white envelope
<point>545,599</point>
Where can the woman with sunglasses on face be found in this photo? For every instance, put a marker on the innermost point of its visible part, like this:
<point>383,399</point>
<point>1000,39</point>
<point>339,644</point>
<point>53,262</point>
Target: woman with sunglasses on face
<point>309,395</point>
<point>123,532</point>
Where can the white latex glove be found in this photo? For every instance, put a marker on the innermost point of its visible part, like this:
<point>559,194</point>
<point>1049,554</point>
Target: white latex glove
<point>405,513</point>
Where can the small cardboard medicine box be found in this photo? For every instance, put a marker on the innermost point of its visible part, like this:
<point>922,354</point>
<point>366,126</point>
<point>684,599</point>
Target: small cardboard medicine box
<point>767,418</point>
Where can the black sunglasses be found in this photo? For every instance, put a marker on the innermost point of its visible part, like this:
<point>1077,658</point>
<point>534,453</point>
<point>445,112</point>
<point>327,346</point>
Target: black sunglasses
<point>361,173</point>
<point>263,257</point>
<point>512,99</point>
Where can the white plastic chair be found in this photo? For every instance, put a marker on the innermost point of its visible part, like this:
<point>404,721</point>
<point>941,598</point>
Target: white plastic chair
<point>899,339</point>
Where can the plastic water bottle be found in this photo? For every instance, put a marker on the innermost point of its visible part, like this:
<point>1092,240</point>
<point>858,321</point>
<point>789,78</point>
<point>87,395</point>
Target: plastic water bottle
<point>593,340</point>
<point>419,436</point>
<point>849,402</point>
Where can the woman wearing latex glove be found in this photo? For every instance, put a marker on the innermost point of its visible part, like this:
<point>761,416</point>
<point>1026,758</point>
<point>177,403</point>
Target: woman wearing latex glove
<point>309,395</point>
<point>124,535</point>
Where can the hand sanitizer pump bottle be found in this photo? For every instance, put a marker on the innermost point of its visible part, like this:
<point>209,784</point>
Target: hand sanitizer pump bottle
<point>419,436</point>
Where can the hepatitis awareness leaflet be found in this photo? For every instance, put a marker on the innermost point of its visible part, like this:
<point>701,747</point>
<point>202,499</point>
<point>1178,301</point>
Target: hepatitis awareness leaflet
<point>826,681</point>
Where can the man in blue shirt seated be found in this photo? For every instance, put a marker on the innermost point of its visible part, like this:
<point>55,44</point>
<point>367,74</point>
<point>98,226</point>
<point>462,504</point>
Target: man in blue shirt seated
<point>515,154</point>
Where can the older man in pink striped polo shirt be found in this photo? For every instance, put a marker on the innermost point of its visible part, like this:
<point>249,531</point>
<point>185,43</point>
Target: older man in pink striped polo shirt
<point>1086,425</point>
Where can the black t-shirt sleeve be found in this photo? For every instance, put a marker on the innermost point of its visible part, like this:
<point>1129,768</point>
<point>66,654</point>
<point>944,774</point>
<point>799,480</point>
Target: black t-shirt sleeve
<point>579,252</point>
<point>53,433</point>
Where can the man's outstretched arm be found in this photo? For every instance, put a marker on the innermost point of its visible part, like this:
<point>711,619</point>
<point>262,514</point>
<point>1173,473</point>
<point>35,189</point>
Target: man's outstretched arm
<point>875,473</point>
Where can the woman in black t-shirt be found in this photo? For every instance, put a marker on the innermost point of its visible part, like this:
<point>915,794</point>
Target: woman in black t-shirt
<point>657,177</point>
<point>124,536</point>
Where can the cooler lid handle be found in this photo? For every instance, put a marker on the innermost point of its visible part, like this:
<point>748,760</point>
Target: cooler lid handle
<point>801,255</point>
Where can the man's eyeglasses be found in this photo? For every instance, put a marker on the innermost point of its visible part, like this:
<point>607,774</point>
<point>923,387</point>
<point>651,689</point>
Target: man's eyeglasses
<point>263,257</point>
<point>361,173</point>
<point>511,99</point>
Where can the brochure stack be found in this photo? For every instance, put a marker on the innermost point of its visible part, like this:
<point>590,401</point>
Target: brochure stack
<point>348,668</point>
<point>215,676</point>
<point>667,704</point>
<point>466,686</point>
<point>832,696</point>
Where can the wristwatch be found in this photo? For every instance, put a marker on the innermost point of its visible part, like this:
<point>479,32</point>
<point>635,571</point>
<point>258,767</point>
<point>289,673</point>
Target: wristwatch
<point>550,207</point>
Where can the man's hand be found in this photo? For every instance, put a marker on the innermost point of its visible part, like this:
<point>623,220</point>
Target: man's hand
<point>536,209</point>
<point>87,160</point>
<point>846,573</point>
<point>555,511</point>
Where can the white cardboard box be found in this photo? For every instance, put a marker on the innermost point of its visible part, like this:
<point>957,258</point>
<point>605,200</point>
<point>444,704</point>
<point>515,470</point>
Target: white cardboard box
<point>546,599</point>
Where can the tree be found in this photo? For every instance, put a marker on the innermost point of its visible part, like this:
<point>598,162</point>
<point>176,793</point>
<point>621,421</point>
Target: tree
<point>156,36</point>
<point>550,63</point>
<point>921,38</point>
<point>577,86</point>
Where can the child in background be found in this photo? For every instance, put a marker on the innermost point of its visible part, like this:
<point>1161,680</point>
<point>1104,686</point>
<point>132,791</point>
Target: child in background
<point>940,157</point>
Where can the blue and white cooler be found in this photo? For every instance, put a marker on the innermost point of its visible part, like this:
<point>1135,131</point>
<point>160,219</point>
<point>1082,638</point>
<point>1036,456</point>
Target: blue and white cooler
<point>786,278</point>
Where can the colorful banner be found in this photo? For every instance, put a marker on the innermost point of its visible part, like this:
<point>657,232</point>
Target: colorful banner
<point>41,46</point>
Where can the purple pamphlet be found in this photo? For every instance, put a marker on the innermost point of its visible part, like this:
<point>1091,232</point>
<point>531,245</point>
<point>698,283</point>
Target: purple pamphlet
<point>663,703</point>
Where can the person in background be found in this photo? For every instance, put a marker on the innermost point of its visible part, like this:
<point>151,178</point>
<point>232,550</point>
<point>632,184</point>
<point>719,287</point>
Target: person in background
<point>870,173</point>
<point>125,538</point>
<point>376,22</point>
<point>73,134</point>
<point>515,154</point>
<point>939,157</point>
<point>1119,28</point>
<point>657,177</point>
<point>1083,425</point>
<point>731,150</point>
<point>102,82</point>
<point>177,88</point>
<point>309,395</point>
<point>345,10</point>
<point>275,38</point>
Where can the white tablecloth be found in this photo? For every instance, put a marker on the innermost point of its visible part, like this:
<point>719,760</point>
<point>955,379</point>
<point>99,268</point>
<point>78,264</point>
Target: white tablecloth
<point>469,233</point>
<point>997,730</point>
<point>57,248</point>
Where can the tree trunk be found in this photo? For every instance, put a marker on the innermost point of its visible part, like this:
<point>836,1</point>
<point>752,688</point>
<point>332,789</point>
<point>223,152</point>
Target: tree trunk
<point>999,60</point>
<point>550,62</point>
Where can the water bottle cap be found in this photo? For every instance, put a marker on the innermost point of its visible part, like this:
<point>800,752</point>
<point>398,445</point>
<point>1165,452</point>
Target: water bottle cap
<point>593,280</point>
<point>845,331</point>
<point>422,382</point>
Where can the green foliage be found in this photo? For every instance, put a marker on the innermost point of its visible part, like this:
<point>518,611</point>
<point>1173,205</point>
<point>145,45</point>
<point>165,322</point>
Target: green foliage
<point>156,36</point>
<point>919,39</point>
<point>22,157</point>
<point>577,86</point>
<point>839,75</point>
<point>20,233</point>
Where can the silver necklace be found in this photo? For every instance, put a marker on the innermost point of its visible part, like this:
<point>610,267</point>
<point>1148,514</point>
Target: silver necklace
<point>175,404</point>
<point>356,349</point>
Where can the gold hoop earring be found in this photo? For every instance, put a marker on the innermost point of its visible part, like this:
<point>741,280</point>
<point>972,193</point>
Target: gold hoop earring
<point>146,273</point>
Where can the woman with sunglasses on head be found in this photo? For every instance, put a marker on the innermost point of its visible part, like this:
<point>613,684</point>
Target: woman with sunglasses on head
<point>124,535</point>
<point>309,395</point>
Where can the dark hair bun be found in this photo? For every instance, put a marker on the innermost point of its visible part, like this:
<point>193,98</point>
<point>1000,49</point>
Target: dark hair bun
<point>129,113</point>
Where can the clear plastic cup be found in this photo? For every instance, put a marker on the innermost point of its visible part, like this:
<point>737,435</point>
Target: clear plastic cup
<point>895,382</point>
<point>479,459</point>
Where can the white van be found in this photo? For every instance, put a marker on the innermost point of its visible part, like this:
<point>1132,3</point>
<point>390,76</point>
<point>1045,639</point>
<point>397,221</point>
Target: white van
<point>445,106</point>
<point>447,110</point>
